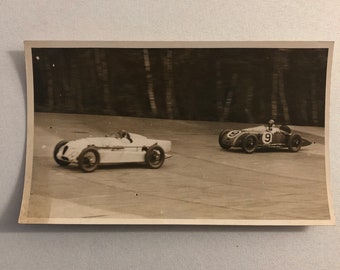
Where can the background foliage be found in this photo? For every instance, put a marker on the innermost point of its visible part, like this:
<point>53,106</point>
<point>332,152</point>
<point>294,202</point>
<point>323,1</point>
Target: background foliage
<point>233,84</point>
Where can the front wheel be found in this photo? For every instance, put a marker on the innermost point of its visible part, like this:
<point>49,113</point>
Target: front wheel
<point>223,140</point>
<point>155,157</point>
<point>55,152</point>
<point>294,143</point>
<point>249,143</point>
<point>88,159</point>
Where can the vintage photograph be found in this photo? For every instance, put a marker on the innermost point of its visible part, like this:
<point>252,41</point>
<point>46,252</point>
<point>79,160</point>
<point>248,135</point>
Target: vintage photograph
<point>205,133</point>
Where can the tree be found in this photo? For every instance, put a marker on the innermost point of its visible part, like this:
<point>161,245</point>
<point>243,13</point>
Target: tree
<point>102,71</point>
<point>150,88</point>
<point>279,101</point>
<point>171,106</point>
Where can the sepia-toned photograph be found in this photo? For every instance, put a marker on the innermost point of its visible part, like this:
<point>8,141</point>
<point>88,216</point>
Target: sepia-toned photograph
<point>201,133</point>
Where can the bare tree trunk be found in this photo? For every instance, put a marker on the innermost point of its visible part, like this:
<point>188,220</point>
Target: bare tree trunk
<point>101,66</point>
<point>169,82</point>
<point>106,88</point>
<point>303,111</point>
<point>75,85</point>
<point>50,90</point>
<point>150,88</point>
<point>314,100</point>
<point>282,96</point>
<point>281,63</point>
<point>274,96</point>
<point>249,102</point>
<point>219,89</point>
<point>278,91</point>
<point>229,97</point>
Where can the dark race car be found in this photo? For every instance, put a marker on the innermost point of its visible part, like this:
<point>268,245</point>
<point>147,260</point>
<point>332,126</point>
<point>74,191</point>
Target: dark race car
<point>271,136</point>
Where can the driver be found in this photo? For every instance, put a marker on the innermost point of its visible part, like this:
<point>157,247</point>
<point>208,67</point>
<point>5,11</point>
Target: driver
<point>271,125</point>
<point>124,134</point>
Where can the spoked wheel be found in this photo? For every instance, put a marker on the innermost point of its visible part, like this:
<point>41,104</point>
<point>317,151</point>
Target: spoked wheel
<point>294,143</point>
<point>249,144</point>
<point>223,139</point>
<point>55,152</point>
<point>88,159</point>
<point>155,157</point>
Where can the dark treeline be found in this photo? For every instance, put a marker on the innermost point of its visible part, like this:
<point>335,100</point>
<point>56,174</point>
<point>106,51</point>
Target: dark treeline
<point>241,85</point>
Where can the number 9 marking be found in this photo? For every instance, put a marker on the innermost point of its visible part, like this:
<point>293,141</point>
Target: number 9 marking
<point>267,138</point>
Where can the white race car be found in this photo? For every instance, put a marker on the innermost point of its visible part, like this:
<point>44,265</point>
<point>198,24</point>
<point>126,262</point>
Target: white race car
<point>123,147</point>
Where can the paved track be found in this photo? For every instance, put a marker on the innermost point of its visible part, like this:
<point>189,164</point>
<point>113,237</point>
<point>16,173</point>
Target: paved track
<point>201,181</point>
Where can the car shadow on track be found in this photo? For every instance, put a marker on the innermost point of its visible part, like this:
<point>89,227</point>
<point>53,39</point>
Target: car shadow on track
<point>259,150</point>
<point>107,167</point>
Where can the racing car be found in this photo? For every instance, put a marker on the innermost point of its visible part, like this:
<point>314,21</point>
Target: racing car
<point>270,136</point>
<point>123,147</point>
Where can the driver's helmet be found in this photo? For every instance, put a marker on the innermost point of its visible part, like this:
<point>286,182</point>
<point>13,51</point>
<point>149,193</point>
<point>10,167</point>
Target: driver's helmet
<point>271,123</point>
<point>122,134</point>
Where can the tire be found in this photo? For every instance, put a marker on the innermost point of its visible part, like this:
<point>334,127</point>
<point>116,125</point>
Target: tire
<point>294,143</point>
<point>154,157</point>
<point>222,140</point>
<point>55,152</point>
<point>249,143</point>
<point>88,159</point>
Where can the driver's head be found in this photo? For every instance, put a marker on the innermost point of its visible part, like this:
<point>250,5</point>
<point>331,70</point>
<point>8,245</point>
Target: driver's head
<point>122,133</point>
<point>271,122</point>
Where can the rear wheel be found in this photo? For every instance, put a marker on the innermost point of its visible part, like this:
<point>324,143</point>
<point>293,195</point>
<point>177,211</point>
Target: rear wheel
<point>223,139</point>
<point>88,159</point>
<point>249,143</point>
<point>294,143</point>
<point>155,157</point>
<point>55,152</point>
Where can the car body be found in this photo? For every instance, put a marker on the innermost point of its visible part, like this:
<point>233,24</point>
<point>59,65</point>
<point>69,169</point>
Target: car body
<point>249,139</point>
<point>123,147</point>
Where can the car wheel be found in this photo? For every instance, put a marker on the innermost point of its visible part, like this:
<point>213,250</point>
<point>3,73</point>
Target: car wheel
<point>294,143</point>
<point>223,139</point>
<point>88,159</point>
<point>249,143</point>
<point>154,157</point>
<point>55,152</point>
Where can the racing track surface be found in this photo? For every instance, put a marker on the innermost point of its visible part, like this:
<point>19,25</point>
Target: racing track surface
<point>199,181</point>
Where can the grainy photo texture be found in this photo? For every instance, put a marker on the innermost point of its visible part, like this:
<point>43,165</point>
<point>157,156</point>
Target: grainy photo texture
<point>230,133</point>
